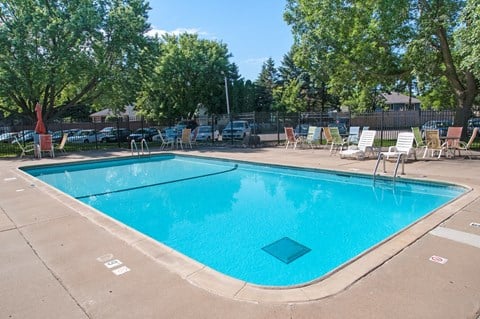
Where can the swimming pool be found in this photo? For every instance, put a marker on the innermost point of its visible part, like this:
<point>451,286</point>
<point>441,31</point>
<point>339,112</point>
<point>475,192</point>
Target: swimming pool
<point>264,224</point>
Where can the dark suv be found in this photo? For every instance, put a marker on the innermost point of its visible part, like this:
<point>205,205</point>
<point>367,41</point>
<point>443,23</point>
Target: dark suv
<point>143,133</point>
<point>118,135</point>
<point>440,125</point>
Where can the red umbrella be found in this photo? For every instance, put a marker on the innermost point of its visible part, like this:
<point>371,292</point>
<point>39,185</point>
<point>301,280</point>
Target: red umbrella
<point>40,127</point>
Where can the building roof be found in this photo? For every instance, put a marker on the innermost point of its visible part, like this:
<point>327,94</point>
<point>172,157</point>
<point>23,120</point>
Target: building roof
<point>399,98</point>
<point>129,111</point>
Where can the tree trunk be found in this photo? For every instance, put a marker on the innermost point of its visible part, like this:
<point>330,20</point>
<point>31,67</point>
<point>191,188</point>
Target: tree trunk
<point>462,82</point>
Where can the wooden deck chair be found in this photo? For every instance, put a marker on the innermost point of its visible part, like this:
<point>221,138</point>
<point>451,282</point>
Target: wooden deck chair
<point>27,149</point>
<point>46,145</point>
<point>63,141</point>
<point>466,146</point>
<point>290,137</point>
<point>433,144</point>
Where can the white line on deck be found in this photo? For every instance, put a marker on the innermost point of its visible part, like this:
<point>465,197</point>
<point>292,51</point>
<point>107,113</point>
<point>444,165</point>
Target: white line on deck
<point>458,236</point>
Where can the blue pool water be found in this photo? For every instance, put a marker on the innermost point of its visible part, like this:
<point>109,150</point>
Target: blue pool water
<point>267,225</point>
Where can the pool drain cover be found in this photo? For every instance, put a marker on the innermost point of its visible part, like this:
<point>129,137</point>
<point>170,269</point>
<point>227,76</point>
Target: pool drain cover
<point>286,250</point>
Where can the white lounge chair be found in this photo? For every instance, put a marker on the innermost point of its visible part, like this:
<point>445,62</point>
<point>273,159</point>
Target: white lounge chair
<point>166,141</point>
<point>365,145</point>
<point>404,146</point>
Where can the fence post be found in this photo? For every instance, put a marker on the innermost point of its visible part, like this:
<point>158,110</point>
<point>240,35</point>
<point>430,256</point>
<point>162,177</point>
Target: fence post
<point>381,127</point>
<point>278,127</point>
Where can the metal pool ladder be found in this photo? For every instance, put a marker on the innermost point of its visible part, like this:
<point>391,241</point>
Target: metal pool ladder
<point>143,143</point>
<point>400,158</point>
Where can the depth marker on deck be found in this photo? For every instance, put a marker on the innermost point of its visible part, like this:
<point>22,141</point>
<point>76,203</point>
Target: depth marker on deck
<point>438,260</point>
<point>113,263</point>
<point>121,270</point>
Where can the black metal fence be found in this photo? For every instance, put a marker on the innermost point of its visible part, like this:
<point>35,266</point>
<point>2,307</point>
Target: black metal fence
<point>269,126</point>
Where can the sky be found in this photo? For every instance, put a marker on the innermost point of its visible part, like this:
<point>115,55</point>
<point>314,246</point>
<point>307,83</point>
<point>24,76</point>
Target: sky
<point>253,30</point>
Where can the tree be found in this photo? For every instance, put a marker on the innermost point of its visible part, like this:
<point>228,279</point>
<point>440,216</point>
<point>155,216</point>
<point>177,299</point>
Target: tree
<point>370,46</point>
<point>311,90</point>
<point>266,82</point>
<point>71,52</point>
<point>190,71</point>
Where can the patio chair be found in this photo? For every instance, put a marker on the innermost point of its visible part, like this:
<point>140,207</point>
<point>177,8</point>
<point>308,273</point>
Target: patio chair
<point>45,145</point>
<point>186,138</point>
<point>452,140</point>
<point>63,141</point>
<point>27,149</point>
<point>433,144</point>
<point>290,137</point>
<point>365,144</point>
<point>353,135</point>
<point>466,146</point>
<point>166,141</point>
<point>403,146</point>
<point>419,143</point>
<point>313,135</point>
<point>327,135</point>
<point>337,141</point>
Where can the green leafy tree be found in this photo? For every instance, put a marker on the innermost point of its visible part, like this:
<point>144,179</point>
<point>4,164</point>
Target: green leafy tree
<point>70,52</point>
<point>371,46</point>
<point>189,71</point>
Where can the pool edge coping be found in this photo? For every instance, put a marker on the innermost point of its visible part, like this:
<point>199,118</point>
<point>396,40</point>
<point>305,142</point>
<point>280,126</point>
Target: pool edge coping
<point>217,283</point>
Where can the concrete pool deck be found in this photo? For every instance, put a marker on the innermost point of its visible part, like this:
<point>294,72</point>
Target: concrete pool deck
<point>55,254</point>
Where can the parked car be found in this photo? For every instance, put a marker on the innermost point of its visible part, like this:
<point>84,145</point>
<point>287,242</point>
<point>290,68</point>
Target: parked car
<point>440,125</point>
<point>7,137</point>
<point>191,124</point>
<point>204,133</point>
<point>86,136</point>
<point>107,130</point>
<point>24,136</point>
<point>143,133</point>
<point>301,130</point>
<point>342,129</point>
<point>58,135</point>
<point>472,123</point>
<point>117,135</point>
<point>236,129</point>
